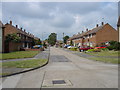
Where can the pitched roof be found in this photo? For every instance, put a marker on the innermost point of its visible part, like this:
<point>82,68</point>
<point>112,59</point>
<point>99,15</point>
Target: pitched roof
<point>118,24</point>
<point>94,30</point>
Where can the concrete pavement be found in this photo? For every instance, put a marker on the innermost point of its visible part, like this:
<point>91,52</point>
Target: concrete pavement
<point>77,72</point>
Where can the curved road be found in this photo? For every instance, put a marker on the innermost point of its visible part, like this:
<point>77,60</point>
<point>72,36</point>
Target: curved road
<point>66,70</point>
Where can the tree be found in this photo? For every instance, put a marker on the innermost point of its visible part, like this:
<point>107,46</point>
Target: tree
<point>52,39</point>
<point>12,38</point>
<point>71,43</point>
<point>65,39</point>
<point>114,45</point>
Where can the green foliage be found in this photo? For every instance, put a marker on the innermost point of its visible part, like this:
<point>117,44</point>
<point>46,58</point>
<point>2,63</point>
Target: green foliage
<point>19,54</point>
<point>65,39</point>
<point>104,49</point>
<point>97,50</point>
<point>114,45</point>
<point>12,38</point>
<point>94,50</point>
<point>90,50</point>
<point>44,45</point>
<point>71,43</point>
<point>73,48</point>
<point>52,39</point>
<point>25,63</point>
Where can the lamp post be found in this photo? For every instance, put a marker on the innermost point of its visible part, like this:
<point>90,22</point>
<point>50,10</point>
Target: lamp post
<point>63,39</point>
<point>42,37</point>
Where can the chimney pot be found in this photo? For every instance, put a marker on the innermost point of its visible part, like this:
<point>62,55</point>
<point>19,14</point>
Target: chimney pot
<point>21,28</point>
<point>82,31</point>
<point>10,22</point>
<point>16,26</point>
<point>24,30</point>
<point>97,25</point>
<point>102,23</point>
<point>87,29</point>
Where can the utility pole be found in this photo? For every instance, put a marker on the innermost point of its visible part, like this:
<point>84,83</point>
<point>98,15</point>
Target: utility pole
<point>63,39</point>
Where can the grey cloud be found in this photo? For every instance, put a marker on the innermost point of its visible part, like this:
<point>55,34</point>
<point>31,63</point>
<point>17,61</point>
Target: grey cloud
<point>58,17</point>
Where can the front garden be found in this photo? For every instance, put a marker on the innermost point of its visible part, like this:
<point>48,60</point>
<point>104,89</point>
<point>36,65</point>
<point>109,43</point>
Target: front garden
<point>18,54</point>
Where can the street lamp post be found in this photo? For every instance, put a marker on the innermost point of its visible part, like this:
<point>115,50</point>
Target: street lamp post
<point>63,39</point>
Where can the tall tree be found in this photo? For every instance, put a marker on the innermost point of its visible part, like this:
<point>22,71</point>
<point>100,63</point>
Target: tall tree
<point>65,39</point>
<point>52,39</point>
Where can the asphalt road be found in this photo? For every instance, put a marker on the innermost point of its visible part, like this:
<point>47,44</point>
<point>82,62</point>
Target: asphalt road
<point>67,70</point>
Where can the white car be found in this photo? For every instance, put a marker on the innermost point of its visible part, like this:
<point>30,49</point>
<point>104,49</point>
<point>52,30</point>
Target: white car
<point>70,47</point>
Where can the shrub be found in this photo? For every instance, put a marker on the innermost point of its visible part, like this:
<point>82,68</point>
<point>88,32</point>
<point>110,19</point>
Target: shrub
<point>73,48</point>
<point>114,45</point>
<point>90,50</point>
<point>110,47</point>
<point>97,50</point>
<point>104,49</point>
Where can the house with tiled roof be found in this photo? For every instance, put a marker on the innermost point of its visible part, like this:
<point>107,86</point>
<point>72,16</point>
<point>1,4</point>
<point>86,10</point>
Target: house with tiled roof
<point>96,36</point>
<point>26,38</point>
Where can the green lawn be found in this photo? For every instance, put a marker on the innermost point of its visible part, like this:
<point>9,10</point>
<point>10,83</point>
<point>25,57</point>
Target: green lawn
<point>104,53</point>
<point>18,54</point>
<point>107,60</point>
<point>24,63</point>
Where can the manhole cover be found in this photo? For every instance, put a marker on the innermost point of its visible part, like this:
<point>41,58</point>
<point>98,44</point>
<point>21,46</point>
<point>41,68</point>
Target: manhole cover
<point>58,82</point>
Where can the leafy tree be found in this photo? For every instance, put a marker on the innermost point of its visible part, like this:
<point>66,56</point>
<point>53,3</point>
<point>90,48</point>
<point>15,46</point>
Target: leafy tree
<point>12,38</point>
<point>71,43</point>
<point>65,39</point>
<point>114,45</point>
<point>52,39</point>
<point>36,42</point>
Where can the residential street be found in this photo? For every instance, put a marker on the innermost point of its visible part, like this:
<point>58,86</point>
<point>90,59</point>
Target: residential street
<point>77,72</point>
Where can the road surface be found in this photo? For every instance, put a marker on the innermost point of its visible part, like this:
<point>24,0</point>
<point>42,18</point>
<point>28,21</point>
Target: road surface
<point>66,70</point>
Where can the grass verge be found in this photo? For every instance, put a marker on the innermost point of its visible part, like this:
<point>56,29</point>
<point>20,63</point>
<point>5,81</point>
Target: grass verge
<point>18,54</point>
<point>25,63</point>
<point>106,60</point>
<point>105,53</point>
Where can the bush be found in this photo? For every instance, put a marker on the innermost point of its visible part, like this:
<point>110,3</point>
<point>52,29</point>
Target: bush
<point>90,50</point>
<point>94,50</point>
<point>97,50</point>
<point>110,47</point>
<point>114,45</point>
<point>104,49</point>
<point>73,48</point>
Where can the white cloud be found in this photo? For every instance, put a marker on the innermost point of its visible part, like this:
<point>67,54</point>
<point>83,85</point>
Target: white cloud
<point>71,18</point>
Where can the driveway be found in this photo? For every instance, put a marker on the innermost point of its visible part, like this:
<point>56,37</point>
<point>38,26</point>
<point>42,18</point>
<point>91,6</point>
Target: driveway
<point>67,70</point>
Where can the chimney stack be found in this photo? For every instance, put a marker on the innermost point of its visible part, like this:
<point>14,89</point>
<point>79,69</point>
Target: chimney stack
<point>16,26</point>
<point>97,25</point>
<point>82,31</point>
<point>24,30</point>
<point>10,22</point>
<point>87,29</point>
<point>102,23</point>
<point>21,28</point>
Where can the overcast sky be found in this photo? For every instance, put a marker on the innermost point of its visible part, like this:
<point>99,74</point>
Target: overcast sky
<point>69,17</point>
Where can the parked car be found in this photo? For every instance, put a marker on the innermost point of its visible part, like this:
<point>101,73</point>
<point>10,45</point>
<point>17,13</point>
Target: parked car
<point>66,46</point>
<point>85,48</point>
<point>101,47</point>
<point>70,47</point>
<point>37,46</point>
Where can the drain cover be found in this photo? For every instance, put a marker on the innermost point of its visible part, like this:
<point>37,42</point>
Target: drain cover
<point>58,82</point>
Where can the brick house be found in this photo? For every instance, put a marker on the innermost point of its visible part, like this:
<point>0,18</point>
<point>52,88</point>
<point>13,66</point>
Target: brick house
<point>95,37</point>
<point>118,27</point>
<point>26,39</point>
